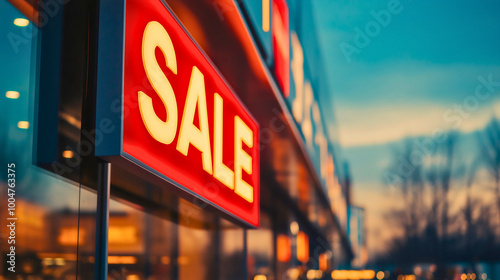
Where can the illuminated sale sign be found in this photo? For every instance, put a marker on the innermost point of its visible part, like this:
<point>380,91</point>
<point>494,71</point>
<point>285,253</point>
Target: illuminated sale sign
<point>178,118</point>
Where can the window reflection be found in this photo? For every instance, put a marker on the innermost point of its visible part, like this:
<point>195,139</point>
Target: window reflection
<point>260,250</point>
<point>51,242</point>
<point>197,253</point>
<point>48,235</point>
<point>172,245</point>
<point>139,244</point>
<point>232,262</point>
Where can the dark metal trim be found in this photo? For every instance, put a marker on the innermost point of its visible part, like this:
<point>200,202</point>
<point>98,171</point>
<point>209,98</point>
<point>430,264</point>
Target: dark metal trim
<point>102,223</point>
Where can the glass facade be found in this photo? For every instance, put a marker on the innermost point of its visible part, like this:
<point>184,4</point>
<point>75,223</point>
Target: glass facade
<point>47,136</point>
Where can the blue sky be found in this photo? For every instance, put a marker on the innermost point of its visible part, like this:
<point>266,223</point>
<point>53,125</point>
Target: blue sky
<point>443,31</point>
<point>435,31</point>
<point>426,59</point>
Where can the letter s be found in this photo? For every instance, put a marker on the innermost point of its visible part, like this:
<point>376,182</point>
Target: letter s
<point>156,36</point>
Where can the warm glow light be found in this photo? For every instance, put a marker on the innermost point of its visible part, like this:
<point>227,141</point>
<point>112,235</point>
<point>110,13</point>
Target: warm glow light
<point>294,228</point>
<point>21,22</point>
<point>380,275</point>
<point>293,273</point>
<point>260,277</point>
<point>67,154</point>
<point>53,261</point>
<point>284,248</point>
<point>314,274</point>
<point>484,276</point>
<point>473,276</point>
<point>126,235</point>
<point>417,270</point>
<point>367,274</point>
<point>265,15</point>
<point>12,94</point>
<point>323,262</point>
<point>69,236</point>
<point>122,260</point>
<point>23,125</point>
<point>353,274</point>
<point>182,260</point>
<point>165,260</point>
<point>463,276</point>
<point>298,77</point>
<point>302,247</point>
<point>59,261</point>
<point>51,257</point>
<point>133,277</point>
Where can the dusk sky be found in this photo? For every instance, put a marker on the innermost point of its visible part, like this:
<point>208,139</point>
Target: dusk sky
<point>404,83</point>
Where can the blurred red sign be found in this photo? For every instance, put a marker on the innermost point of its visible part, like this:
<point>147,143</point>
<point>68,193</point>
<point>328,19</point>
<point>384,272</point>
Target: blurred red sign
<point>180,117</point>
<point>281,44</point>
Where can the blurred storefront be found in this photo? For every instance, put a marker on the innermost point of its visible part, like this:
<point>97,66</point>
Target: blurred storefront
<point>51,79</point>
<point>357,236</point>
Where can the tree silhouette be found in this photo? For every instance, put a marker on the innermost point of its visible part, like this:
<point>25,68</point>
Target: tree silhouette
<point>490,154</point>
<point>435,229</point>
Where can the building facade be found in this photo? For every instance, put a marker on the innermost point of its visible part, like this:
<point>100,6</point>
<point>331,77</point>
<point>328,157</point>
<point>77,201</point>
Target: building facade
<point>87,203</point>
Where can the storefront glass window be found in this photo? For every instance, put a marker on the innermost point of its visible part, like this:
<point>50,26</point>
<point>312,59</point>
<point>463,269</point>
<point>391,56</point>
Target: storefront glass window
<point>46,240</point>
<point>232,262</point>
<point>141,245</point>
<point>173,245</point>
<point>261,250</point>
<point>152,233</point>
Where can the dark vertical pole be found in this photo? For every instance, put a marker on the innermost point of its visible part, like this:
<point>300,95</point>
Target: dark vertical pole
<point>175,240</point>
<point>148,233</point>
<point>245,253</point>
<point>101,247</point>
<point>274,227</point>
<point>217,248</point>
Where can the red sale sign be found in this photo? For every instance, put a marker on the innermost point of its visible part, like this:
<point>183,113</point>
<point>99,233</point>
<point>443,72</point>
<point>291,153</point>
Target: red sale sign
<point>179,117</point>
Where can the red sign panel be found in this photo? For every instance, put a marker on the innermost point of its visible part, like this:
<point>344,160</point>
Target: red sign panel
<point>281,44</point>
<point>180,117</point>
